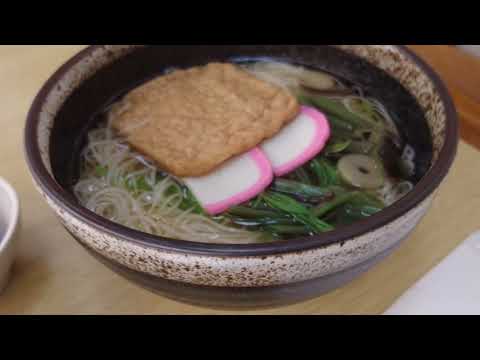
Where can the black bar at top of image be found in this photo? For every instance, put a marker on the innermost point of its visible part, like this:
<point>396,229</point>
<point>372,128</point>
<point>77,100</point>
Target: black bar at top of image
<point>233,23</point>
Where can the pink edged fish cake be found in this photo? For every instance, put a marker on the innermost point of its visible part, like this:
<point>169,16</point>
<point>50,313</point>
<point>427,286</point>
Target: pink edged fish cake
<point>238,180</point>
<point>246,176</point>
<point>298,142</point>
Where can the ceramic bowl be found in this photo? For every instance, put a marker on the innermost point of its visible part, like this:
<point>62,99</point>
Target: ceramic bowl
<point>9,223</point>
<point>238,276</point>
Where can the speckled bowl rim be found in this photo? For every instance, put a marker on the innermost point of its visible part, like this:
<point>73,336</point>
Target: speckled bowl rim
<point>422,190</point>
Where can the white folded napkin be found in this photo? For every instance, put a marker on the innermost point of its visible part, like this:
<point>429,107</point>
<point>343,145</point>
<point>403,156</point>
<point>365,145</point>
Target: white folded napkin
<point>451,288</point>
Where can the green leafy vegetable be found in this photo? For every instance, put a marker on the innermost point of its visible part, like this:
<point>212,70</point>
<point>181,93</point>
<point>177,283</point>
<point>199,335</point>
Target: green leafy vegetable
<point>349,213</point>
<point>190,202</point>
<point>338,124</point>
<point>326,173</point>
<point>303,176</point>
<point>137,184</point>
<point>288,205</point>
<point>336,146</point>
<point>257,222</point>
<point>340,200</point>
<point>338,110</point>
<point>297,188</point>
<point>366,199</point>
<point>101,171</point>
<point>365,109</point>
<point>248,212</point>
<point>257,202</point>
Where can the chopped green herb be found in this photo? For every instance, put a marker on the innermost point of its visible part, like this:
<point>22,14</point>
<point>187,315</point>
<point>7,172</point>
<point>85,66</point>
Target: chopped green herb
<point>101,170</point>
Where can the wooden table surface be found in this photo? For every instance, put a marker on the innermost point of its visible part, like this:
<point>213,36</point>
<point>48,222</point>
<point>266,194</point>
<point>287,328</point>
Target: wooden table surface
<point>53,275</point>
<point>461,72</point>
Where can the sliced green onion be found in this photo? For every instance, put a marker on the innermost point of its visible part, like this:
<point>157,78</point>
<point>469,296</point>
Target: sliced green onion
<point>361,171</point>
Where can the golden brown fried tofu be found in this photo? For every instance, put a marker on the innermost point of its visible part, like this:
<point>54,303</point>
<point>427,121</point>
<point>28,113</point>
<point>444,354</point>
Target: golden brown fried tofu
<point>191,121</point>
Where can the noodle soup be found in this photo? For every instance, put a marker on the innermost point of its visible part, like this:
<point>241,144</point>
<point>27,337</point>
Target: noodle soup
<point>365,167</point>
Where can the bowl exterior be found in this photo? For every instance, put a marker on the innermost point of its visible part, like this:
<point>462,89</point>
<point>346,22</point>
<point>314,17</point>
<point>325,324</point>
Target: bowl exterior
<point>240,271</point>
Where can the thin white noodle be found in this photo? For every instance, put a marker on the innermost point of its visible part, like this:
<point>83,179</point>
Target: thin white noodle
<point>156,212</point>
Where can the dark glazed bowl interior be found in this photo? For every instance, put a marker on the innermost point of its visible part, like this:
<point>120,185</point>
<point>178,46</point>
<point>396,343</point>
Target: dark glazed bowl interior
<point>80,113</point>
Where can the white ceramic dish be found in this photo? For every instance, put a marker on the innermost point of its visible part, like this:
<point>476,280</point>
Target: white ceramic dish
<point>9,222</point>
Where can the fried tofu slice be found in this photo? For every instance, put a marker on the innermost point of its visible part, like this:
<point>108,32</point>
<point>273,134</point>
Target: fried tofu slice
<point>192,121</point>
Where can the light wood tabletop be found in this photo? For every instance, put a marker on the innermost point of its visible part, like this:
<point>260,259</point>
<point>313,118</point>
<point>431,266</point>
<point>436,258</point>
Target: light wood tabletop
<point>54,275</point>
